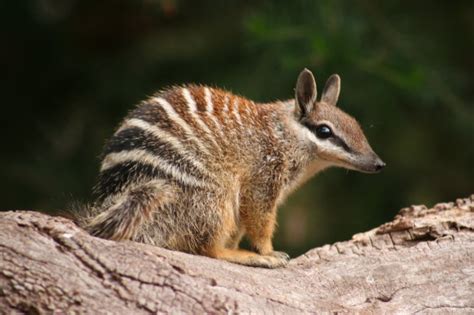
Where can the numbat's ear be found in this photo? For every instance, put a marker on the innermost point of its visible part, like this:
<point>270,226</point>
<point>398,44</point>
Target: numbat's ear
<point>305,93</point>
<point>331,90</point>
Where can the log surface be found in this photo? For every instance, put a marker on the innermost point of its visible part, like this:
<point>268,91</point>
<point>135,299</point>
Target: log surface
<point>422,261</point>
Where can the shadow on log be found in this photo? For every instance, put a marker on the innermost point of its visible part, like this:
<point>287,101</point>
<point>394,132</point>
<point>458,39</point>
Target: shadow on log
<point>422,261</point>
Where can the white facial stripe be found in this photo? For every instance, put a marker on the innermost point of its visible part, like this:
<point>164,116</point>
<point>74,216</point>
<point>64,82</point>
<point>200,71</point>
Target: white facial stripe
<point>330,147</point>
<point>303,132</point>
<point>173,115</point>
<point>143,156</point>
<point>323,145</point>
<point>336,135</point>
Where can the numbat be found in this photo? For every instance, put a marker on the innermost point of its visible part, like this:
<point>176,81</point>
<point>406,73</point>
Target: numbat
<point>195,168</point>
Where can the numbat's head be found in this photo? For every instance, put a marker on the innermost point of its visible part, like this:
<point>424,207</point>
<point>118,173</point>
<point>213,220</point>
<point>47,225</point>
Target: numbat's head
<point>338,137</point>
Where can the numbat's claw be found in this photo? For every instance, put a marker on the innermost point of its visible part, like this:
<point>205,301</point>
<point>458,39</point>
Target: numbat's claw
<point>281,255</point>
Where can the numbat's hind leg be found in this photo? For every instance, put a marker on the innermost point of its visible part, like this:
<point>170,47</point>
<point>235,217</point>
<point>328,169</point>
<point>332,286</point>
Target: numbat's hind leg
<point>125,216</point>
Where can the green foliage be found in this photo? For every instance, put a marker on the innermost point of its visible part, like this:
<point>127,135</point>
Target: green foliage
<point>74,68</point>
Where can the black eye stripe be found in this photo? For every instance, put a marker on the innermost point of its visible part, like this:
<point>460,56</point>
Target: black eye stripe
<point>335,139</point>
<point>340,143</point>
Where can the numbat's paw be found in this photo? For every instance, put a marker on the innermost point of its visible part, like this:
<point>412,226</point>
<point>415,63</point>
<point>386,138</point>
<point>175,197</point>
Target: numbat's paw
<point>269,261</point>
<point>280,255</point>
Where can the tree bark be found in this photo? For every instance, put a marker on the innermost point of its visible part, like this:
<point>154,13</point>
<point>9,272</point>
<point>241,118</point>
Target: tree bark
<point>422,261</point>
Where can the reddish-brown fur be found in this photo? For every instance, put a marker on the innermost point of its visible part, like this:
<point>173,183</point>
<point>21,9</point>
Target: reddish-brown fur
<point>196,168</point>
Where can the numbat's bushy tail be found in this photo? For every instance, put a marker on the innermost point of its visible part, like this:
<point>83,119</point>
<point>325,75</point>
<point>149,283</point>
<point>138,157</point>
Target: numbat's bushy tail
<point>195,168</point>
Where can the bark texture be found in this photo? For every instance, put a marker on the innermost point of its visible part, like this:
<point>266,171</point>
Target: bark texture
<point>422,261</point>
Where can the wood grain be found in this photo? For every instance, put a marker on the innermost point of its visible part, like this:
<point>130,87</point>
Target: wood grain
<point>422,261</point>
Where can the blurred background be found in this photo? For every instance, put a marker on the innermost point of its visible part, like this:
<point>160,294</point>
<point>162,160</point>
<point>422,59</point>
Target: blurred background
<point>72,69</point>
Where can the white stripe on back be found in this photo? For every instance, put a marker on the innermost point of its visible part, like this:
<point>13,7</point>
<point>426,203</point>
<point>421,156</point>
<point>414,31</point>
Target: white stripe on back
<point>145,157</point>
<point>164,136</point>
<point>192,110</point>
<point>208,98</point>
<point>235,111</point>
<point>226,104</point>
<point>173,115</point>
<point>210,109</point>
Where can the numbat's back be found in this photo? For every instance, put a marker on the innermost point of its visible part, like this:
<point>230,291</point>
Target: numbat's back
<point>196,168</point>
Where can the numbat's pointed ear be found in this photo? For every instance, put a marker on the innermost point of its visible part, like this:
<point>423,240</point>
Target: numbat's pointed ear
<point>305,93</point>
<point>331,90</point>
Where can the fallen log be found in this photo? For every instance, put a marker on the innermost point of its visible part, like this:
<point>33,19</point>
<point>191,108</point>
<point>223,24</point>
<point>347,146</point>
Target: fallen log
<point>422,261</point>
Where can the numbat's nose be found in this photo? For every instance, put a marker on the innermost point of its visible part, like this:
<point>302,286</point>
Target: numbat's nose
<point>379,165</point>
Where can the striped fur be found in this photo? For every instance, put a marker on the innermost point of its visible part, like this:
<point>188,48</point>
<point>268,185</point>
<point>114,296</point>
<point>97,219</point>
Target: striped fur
<point>196,168</point>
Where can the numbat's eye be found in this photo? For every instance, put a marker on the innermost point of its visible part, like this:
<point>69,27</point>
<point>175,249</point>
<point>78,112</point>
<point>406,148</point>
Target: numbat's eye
<point>323,132</point>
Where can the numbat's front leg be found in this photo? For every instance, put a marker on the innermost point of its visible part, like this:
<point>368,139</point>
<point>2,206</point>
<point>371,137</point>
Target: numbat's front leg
<point>248,258</point>
<point>260,227</point>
